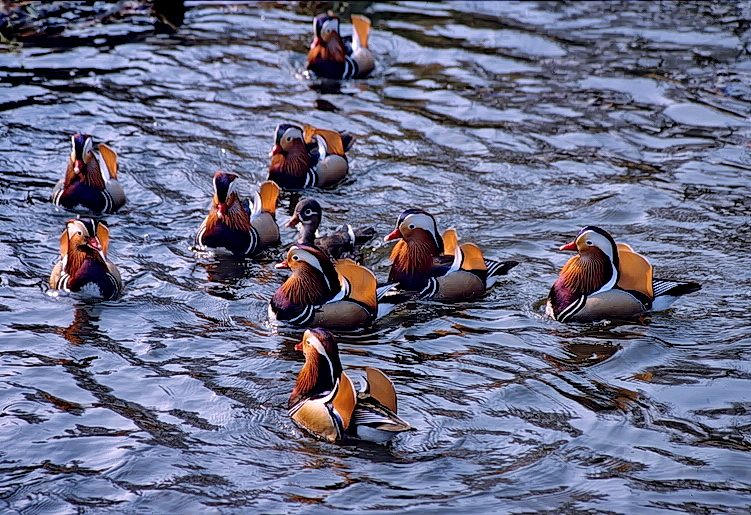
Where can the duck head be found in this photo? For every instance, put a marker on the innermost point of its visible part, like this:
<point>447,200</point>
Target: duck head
<point>84,237</point>
<point>325,26</point>
<point>308,213</point>
<point>82,152</point>
<point>417,226</point>
<point>287,138</point>
<point>224,192</point>
<point>321,358</point>
<point>596,265</point>
<point>314,278</point>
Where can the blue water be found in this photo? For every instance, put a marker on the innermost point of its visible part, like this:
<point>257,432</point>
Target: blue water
<point>516,123</point>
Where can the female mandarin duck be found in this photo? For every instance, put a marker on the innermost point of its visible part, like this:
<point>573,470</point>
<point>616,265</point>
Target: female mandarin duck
<point>332,57</point>
<point>89,183</point>
<point>325,403</point>
<point>319,293</point>
<point>608,280</point>
<point>340,244</point>
<point>231,224</point>
<point>84,267</point>
<point>436,266</point>
<point>303,157</point>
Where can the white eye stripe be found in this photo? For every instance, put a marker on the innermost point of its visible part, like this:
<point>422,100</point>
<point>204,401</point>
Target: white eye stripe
<point>292,133</point>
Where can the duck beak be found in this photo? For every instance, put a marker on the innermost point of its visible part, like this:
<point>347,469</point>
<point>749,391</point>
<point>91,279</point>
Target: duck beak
<point>292,221</point>
<point>276,149</point>
<point>316,42</point>
<point>298,346</point>
<point>94,243</point>
<point>393,235</point>
<point>569,246</point>
<point>78,166</point>
<point>281,265</point>
<point>221,210</point>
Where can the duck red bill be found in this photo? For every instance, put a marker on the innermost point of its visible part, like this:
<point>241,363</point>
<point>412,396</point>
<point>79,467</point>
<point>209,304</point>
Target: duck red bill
<point>569,246</point>
<point>283,264</point>
<point>94,243</point>
<point>293,221</point>
<point>393,235</point>
<point>276,149</point>
<point>298,346</point>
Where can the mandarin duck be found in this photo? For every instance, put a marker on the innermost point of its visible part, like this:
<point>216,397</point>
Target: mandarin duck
<point>325,403</point>
<point>332,57</point>
<point>84,267</point>
<point>319,293</point>
<point>436,266</point>
<point>607,280</point>
<point>303,157</point>
<point>90,182</point>
<point>233,225</point>
<point>344,243</point>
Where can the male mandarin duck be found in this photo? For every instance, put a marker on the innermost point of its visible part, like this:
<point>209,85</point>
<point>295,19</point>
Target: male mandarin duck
<point>608,280</point>
<point>332,57</point>
<point>437,266</point>
<point>233,225</point>
<point>344,243</point>
<point>84,267</point>
<point>325,403</point>
<point>303,157</point>
<point>90,183</point>
<point>319,293</point>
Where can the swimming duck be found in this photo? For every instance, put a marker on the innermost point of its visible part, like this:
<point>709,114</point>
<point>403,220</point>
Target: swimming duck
<point>233,225</point>
<point>303,157</point>
<point>325,403</point>
<point>332,57</point>
<point>437,266</point>
<point>319,293</point>
<point>90,183</point>
<point>84,267</point>
<point>608,280</point>
<point>344,243</point>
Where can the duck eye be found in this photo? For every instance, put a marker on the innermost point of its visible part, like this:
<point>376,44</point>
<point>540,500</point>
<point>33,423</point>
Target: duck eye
<point>411,226</point>
<point>288,139</point>
<point>308,212</point>
<point>589,242</point>
<point>79,233</point>
<point>295,258</point>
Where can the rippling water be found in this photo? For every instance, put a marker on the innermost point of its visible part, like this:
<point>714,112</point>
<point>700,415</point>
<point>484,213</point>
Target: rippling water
<point>516,123</point>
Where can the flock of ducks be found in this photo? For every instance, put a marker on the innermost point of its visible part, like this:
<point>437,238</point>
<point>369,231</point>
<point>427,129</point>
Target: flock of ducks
<point>328,289</point>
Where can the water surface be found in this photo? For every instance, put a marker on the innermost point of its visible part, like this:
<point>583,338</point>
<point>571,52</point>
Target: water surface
<point>516,123</point>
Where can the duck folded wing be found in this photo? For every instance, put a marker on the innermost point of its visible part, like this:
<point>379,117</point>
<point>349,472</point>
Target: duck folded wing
<point>332,139</point>
<point>362,283</point>
<point>635,271</point>
<point>381,388</point>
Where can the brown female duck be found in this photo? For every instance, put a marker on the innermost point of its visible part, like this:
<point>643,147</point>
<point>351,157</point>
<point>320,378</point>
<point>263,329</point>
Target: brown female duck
<point>343,243</point>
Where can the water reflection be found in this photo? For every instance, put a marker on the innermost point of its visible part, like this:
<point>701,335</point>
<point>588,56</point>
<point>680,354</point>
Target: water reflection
<point>516,123</point>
